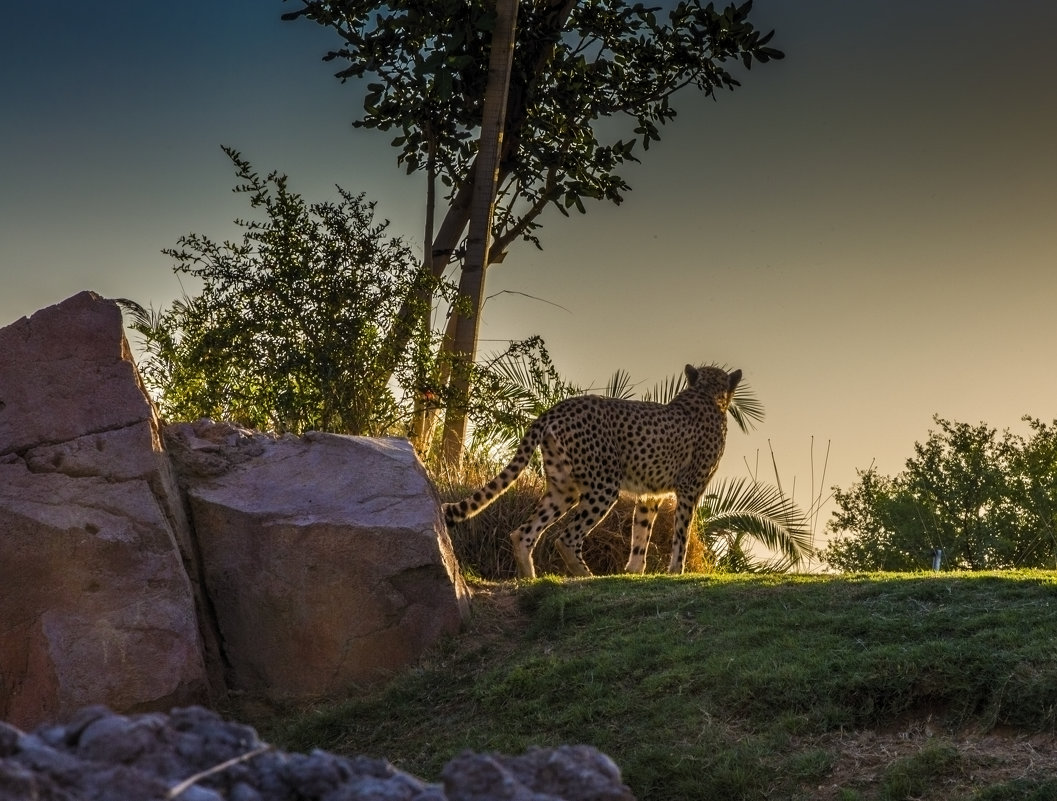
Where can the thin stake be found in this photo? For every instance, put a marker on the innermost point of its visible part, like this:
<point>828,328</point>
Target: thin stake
<point>186,784</point>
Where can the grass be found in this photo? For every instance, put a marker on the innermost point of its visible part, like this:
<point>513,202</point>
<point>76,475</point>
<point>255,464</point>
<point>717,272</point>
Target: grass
<point>864,688</point>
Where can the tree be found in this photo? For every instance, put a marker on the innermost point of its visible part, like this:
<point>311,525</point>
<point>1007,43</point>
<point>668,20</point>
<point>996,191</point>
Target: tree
<point>286,332</point>
<point>986,499</point>
<point>878,526</point>
<point>1032,495</point>
<point>957,478</point>
<point>575,65</point>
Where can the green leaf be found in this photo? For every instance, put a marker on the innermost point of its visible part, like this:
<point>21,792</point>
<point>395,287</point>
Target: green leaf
<point>619,385</point>
<point>442,85</point>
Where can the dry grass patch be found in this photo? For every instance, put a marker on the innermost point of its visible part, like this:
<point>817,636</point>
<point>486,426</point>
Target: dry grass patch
<point>921,763</point>
<point>482,544</point>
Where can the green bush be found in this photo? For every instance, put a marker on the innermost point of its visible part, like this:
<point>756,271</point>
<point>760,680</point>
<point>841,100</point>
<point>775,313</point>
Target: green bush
<point>298,327</point>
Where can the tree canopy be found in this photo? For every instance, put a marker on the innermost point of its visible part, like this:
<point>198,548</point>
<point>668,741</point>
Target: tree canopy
<point>588,81</point>
<point>987,499</point>
<point>575,64</point>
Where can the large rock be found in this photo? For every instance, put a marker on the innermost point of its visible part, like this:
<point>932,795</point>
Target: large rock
<point>325,556</point>
<point>95,603</point>
<point>319,563</point>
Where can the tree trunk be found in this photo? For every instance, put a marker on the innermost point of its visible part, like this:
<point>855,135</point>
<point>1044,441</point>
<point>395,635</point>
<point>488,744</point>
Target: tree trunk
<point>471,282</point>
<point>554,16</point>
<point>419,432</point>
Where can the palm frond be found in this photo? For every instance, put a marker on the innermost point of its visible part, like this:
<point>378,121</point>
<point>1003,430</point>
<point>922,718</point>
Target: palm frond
<point>733,555</point>
<point>156,338</point>
<point>745,407</point>
<point>515,387</point>
<point>530,376</point>
<point>761,512</point>
<point>140,318</point>
<point>665,392</point>
<point>619,386</point>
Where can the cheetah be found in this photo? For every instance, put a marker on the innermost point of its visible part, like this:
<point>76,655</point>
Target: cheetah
<point>594,447</point>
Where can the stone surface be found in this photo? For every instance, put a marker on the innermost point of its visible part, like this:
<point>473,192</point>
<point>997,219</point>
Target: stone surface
<point>95,602</point>
<point>541,774</point>
<point>319,563</point>
<point>325,556</point>
<point>66,372</point>
<point>193,755</point>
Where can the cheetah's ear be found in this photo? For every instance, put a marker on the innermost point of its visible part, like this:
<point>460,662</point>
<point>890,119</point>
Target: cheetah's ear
<point>691,374</point>
<point>734,377</point>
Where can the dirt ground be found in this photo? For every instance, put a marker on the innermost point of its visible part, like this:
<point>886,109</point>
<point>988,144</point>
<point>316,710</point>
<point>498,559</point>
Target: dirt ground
<point>862,759</point>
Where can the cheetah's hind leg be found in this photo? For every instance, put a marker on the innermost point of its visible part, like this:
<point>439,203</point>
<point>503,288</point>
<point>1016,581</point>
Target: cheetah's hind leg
<point>684,513</point>
<point>593,506</point>
<point>560,497</point>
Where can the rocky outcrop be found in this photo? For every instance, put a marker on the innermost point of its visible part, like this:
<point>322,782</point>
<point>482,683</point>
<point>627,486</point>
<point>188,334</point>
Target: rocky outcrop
<point>95,604</point>
<point>193,755</point>
<point>313,563</point>
<point>322,555</point>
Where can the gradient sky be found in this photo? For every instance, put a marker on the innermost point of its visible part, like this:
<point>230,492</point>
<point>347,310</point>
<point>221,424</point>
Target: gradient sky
<point>867,228</point>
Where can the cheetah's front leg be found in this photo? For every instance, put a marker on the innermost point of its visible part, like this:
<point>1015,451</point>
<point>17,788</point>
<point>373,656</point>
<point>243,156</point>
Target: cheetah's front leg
<point>684,511</point>
<point>641,529</point>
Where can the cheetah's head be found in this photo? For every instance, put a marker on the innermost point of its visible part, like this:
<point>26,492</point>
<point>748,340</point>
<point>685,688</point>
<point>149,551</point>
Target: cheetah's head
<point>716,381</point>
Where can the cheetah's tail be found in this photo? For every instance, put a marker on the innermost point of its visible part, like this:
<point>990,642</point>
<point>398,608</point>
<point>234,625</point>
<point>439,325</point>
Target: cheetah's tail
<point>483,496</point>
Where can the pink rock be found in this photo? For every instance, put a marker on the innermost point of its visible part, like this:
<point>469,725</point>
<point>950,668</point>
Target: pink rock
<point>65,372</point>
<point>318,563</point>
<point>325,556</point>
<point>95,603</point>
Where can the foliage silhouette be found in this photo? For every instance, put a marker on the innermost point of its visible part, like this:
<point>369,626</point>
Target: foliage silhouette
<point>286,332</point>
<point>590,80</point>
<point>987,499</point>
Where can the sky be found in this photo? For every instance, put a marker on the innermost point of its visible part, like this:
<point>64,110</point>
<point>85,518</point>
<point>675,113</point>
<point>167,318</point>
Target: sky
<point>867,228</point>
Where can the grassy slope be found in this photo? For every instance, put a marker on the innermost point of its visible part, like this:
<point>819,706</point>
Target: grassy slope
<point>732,687</point>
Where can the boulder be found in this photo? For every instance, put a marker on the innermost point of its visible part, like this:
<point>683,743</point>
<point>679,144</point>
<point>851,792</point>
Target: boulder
<point>95,602</point>
<point>314,564</point>
<point>325,557</point>
<point>564,773</point>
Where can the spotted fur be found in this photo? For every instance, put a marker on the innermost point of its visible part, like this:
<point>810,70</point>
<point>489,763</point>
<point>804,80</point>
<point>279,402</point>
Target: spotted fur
<point>595,447</point>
